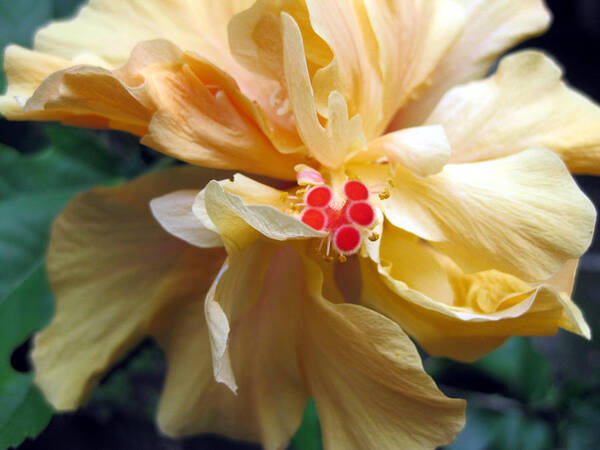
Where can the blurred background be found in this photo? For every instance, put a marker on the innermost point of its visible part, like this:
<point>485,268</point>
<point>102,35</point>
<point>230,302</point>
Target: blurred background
<point>541,393</point>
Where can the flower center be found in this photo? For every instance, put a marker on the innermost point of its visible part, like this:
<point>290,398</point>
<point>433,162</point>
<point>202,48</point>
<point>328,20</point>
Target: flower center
<point>346,217</point>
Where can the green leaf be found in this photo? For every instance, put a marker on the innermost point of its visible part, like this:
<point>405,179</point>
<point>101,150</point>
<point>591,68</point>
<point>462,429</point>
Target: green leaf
<point>308,436</point>
<point>18,20</point>
<point>33,190</point>
<point>24,412</point>
<point>66,8</point>
<point>521,367</point>
<point>502,427</point>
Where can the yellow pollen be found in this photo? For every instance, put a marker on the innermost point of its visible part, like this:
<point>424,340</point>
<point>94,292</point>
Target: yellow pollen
<point>373,237</point>
<point>342,259</point>
<point>385,195</point>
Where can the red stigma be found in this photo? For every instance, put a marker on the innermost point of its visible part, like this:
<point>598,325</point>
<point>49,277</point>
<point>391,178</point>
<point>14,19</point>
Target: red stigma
<point>344,220</point>
<point>356,191</point>
<point>318,197</point>
<point>347,239</point>
<point>314,218</point>
<point>361,213</point>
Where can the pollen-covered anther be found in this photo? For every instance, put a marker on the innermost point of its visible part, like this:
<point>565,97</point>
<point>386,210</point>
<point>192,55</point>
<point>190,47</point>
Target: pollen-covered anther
<point>385,195</point>
<point>318,197</point>
<point>374,237</point>
<point>347,240</point>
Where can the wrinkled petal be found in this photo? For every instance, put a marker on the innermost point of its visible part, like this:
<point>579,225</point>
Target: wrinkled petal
<point>423,150</point>
<point>524,104</point>
<point>373,53</point>
<point>360,367</point>
<point>342,136</point>
<point>522,214</point>
<point>252,315</point>
<point>465,332</point>
<point>105,32</point>
<point>174,213</point>
<point>179,103</point>
<point>239,224</point>
<point>367,380</point>
<point>113,269</point>
<point>491,28</point>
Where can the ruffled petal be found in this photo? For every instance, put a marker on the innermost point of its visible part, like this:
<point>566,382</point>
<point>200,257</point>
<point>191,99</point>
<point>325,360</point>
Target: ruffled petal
<point>113,269</point>
<point>180,104</point>
<point>524,104</point>
<point>522,214</point>
<point>375,54</point>
<point>491,28</point>
<point>104,34</point>
<point>240,223</point>
<point>461,329</point>
<point>252,315</point>
<point>342,136</point>
<point>285,341</point>
<point>367,379</point>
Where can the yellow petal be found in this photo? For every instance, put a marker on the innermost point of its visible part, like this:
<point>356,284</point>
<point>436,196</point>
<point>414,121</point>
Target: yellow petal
<point>258,297</point>
<point>182,105</point>
<point>524,104</point>
<point>342,136</point>
<point>423,150</point>
<point>491,28</point>
<point>373,53</point>
<point>239,224</point>
<point>564,279</point>
<point>381,51</point>
<point>112,269</point>
<point>461,330</point>
<point>174,213</point>
<point>104,32</point>
<point>25,70</point>
<point>367,379</point>
<point>410,261</point>
<point>284,341</point>
<point>522,214</point>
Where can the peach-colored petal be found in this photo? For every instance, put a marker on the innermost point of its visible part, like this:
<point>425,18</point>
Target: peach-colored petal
<point>524,104</point>
<point>181,104</point>
<point>373,53</point>
<point>113,269</point>
<point>105,32</point>
<point>491,28</point>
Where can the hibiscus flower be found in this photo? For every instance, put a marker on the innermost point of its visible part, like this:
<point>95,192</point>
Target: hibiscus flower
<point>396,204</point>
